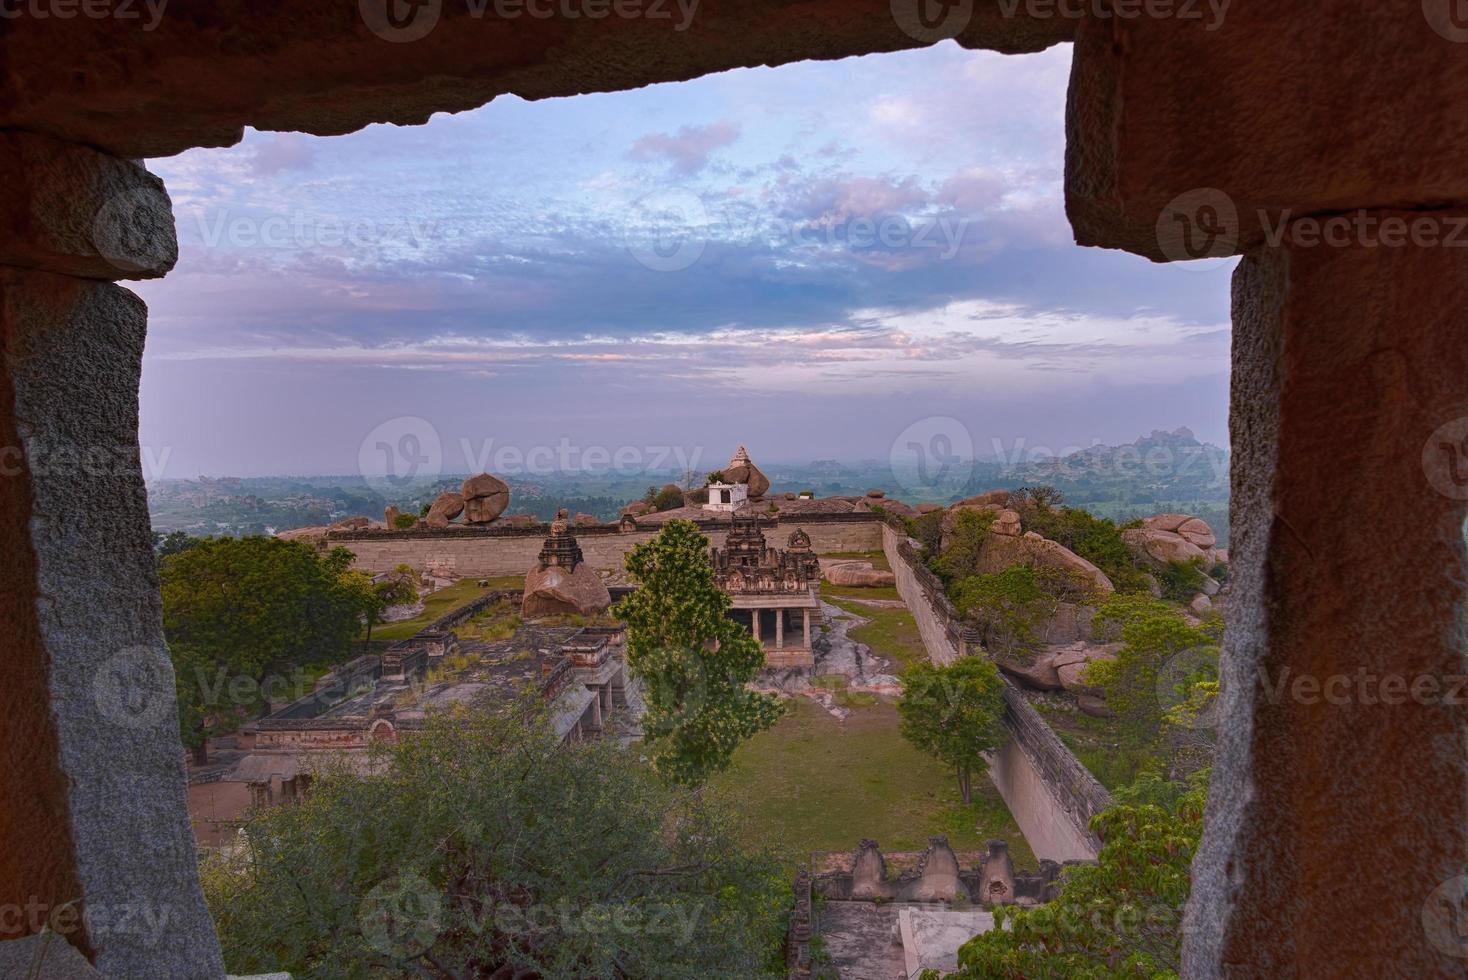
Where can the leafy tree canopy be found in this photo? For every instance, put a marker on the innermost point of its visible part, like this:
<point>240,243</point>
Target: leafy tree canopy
<point>1007,607</point>
<point>243,607</point>
<point>484,848</point>
<point>955,713</point>
<point>694,661</point>
<point>1119,919</point>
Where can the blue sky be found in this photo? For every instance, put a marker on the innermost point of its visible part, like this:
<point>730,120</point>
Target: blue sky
<point>808,260</point>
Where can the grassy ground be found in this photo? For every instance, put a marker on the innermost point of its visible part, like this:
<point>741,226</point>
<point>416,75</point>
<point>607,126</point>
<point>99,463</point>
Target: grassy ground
<point>892,633</point>
<point>1095,742</point>
<point>818,783</point>
<point>443,602</point>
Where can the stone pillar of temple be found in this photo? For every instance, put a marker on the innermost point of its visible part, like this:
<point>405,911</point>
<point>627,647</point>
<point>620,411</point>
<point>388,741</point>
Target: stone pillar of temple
<point>779,629</point>
<point>754,624</point>
<point>91,770</point>
<point>1342,725</point>
<point>805,625</point>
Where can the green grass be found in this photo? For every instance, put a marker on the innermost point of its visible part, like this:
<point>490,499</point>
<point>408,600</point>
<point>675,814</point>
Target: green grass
<point>1096,742</point>
<point>441,603</point>
<point>892,633</point>
<point>816,783</point>
<point>877,558</point>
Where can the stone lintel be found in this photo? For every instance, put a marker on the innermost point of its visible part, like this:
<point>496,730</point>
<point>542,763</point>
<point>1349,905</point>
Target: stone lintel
<point>1177,125</point>
<point>69,209</point>
<point>157,85</point>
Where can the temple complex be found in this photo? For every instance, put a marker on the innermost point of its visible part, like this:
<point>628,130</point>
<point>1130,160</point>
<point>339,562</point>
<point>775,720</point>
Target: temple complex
<point>578,674</point>
<point>761,579</point>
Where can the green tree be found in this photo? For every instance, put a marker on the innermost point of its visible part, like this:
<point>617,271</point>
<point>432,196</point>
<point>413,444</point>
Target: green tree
<point>482,847</point>
<point>172,543</point>
<point>396,589</point>
<point>1161,661</point>
<point>694,661</point>
<point>1007,608</point>
<point>238,609</point>
<point>955,713</point>
<point>964,549</point>
<point>1119,919</point>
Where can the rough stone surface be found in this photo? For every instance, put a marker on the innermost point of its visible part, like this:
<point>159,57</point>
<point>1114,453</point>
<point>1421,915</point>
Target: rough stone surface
<point>1039,673</point>
<point>44,957</point>
<point>445,508</point>
<point>198,76</point>
<point>1346,364</point>
<point>1160,547</point>
<point>554,591</point>
<point>1141,133</point>
<point>859,574</point>
<point>939,881</point>
<point>91,772</point>
<point>1070,666</point>
<point>485,498</point>
<point>69,209</point>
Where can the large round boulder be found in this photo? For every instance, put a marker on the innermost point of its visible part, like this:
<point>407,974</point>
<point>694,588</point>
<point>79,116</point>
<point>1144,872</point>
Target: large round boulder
<point>856,574</point>
<point>445,507</point>
<point>554,591</point>
<point>741,469</point>
<point>485,498</point>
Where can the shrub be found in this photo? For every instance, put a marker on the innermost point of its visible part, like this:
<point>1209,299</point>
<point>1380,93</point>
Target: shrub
<point>482,847</point>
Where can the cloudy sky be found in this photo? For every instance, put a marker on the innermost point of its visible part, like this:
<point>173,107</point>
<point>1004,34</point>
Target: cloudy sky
<point>816,260</point>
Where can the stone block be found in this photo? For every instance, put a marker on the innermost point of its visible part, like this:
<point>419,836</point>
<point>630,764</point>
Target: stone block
<point>92,773</point>
<point>70,209</point>
<point>1178,125</point>
<point>1350,396</point>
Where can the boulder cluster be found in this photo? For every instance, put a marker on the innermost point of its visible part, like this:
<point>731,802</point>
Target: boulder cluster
<point>1173,537</point>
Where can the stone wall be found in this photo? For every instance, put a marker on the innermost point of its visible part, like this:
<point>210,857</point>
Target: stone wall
<point>937,621</point>
<point>1051,795</point>
<point>484,552</point>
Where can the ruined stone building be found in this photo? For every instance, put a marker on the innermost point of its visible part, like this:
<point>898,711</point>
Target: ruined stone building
<point>784,584</point>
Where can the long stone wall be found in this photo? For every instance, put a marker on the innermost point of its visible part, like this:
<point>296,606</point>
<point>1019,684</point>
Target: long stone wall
<point>490,551</point>
<point>1051,794</point>
<point>937,621</point>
